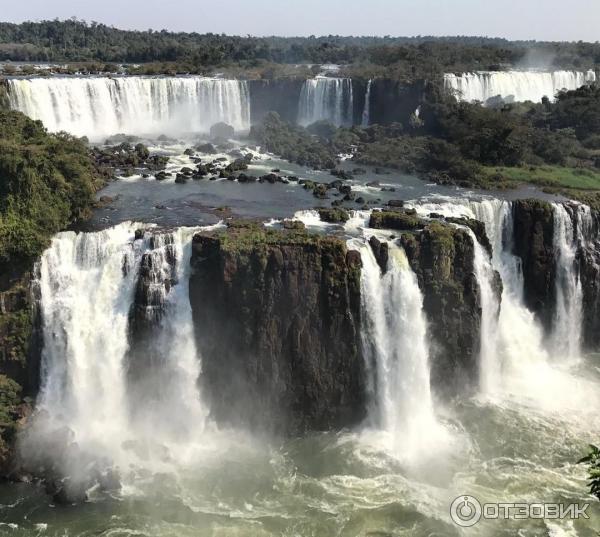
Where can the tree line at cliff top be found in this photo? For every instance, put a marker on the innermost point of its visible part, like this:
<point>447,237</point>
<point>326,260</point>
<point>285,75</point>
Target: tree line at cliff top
<point>77,41</point>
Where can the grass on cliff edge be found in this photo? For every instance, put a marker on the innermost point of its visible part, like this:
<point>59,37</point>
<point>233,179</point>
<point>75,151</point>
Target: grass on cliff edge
<point>554,177</point>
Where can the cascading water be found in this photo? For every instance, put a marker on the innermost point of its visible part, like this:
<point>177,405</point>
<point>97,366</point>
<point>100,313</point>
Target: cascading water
<point>100,106</point>
<point>97,403</point>
<point>515,85</point>
<point>568,318</point>
<point>396,351</point>
<point>366,115</point>
<point>489,370</point>
<point>516,360</point>
<point>325,98</point>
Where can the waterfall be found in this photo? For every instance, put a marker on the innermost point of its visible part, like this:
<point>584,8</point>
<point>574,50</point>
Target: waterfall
<point>325,98</point>
<point>515,85</point>
<point>489,370</point>
<point>568,317</point>
<point>515,362</point>
<point>93,389</point>
<point>366,115</point>
<point>396,351</point>
<point>101,106</point>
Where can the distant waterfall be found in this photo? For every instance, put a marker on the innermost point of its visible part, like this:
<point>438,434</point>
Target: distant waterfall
<point>396,349</point>
<point>324,98</point>
<point>93,286</point>
<point>515,85</point>
<point>100,106</point>
<point>366,115</point>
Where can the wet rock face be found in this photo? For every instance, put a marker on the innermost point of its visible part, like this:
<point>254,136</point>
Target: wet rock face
<point>588,257</point>
<point>277,321</point>
<point>533,242</point>
<point>281,96</point>
<point>442,257</point>
<point>393,101</point>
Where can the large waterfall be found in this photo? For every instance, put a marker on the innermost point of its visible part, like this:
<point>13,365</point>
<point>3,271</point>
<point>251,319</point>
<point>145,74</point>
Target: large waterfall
<point>325,98</point>
<point>569,295</point>
<point>515,85</point>
<point>102,398</point>
<point>396,348</point>
<point>101,106</point>
<point>518,359</point>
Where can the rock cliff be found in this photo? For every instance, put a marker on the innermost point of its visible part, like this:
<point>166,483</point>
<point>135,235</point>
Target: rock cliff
<point>277,321</point>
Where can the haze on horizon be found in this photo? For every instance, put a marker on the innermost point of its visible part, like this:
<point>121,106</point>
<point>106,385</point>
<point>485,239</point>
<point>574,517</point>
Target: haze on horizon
<point>548,20</point>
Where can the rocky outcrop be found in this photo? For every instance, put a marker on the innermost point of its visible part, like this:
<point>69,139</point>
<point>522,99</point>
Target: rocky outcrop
<point>442,257</point>
<point>397,219</point>
<point>533,243</point>
<point>277,321</point>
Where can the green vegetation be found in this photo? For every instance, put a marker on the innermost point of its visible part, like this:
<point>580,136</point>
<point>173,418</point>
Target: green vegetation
<point>102,47</point>
<point>399,220</point>
<point>334,215</point>
<point>242,235</point>
<point>10,399</point>
<point>550,176</point>
<point>46,182</point>
<point>592,459</point>
<point>294,143</point>
<point>553,145</point>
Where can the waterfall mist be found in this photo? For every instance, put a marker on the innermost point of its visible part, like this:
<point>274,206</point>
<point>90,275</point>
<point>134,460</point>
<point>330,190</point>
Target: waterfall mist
<point>396,350</point>
<point>518,360</point>
<point>101,106</point>
<point>106,405</point>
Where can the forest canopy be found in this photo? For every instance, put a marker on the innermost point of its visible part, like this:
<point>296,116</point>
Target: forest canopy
<point>78,41</point>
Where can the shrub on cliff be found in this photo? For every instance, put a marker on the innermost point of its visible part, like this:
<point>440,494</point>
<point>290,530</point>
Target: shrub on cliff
<point>46,182</point>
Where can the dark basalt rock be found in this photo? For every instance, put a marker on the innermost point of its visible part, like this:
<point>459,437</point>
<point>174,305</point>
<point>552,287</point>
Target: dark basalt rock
<point>588,259</point>
<point>477,227</point>
<point>533,242</point>
<point>269,178</point>
<point>442,258</point>
<point>277,320</point>
<point>381,252</point>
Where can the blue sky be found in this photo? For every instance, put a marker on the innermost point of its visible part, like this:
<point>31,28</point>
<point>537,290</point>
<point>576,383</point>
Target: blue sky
<point>515,19</point>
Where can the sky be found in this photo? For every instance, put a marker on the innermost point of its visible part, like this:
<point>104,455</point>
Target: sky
<point>556,20</point>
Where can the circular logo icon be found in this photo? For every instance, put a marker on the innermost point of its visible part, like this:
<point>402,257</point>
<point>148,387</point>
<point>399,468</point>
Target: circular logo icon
<point>465,511</point>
